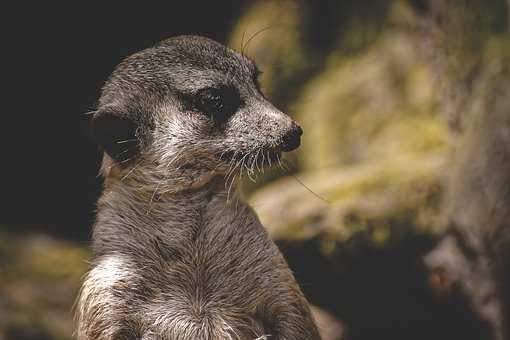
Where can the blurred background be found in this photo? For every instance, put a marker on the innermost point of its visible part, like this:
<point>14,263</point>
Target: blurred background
<point>394,212</point>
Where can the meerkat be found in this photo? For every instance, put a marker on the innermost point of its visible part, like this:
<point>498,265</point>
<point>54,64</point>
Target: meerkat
<point>176,253</point>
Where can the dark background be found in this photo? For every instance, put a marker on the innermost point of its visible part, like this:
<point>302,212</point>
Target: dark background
<point>55,58</point>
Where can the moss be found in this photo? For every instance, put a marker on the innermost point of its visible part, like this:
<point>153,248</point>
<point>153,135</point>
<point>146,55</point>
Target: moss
<point>40,280</point>
<point>403,188</point>
<point>377,104</point>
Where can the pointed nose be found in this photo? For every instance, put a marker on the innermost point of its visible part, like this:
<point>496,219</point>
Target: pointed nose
<point>292,139</point>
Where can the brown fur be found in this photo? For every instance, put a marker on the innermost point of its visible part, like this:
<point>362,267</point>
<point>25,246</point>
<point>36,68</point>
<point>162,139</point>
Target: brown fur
<point>177,254</point>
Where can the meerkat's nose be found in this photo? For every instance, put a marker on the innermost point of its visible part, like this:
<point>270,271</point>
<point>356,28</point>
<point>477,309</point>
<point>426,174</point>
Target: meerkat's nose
<point>292,138</point>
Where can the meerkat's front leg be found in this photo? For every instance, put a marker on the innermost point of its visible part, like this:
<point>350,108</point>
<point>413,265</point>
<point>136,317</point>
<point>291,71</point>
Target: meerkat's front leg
<point>101,309</point>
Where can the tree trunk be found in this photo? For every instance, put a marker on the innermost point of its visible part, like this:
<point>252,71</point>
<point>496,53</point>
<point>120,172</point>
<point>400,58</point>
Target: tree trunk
<point>471,52</point>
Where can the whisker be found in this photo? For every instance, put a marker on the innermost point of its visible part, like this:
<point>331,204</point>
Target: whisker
<point>249,169</point>
<point>253,36</point>
<point>126,141</point>
<point>305,186</point>
<point>257,160</point>
<point>242,41</point>
<point>231,171</point>
<point>152,198</point>
<point>230,187</point>
<point>131,171</point>
<point>279,158</point>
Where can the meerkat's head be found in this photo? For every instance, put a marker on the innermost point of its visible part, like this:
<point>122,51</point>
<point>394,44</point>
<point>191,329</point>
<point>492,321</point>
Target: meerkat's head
<point>188,107</point>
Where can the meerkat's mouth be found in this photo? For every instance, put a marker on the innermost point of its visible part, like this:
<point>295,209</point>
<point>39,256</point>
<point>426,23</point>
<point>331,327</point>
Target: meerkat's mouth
<point>251,162</point>
<point>262,156</point>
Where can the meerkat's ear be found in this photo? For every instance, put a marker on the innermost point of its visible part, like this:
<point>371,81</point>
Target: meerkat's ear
<point>116,134</point>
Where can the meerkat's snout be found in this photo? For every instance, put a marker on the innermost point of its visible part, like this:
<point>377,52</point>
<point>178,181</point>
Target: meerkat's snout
<point>292,138</point>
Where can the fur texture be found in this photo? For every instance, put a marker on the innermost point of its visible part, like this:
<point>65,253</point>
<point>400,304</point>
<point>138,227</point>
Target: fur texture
<point>177,254</point>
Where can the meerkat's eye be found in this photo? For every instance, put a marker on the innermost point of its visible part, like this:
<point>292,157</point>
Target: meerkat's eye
<point>219,102</point>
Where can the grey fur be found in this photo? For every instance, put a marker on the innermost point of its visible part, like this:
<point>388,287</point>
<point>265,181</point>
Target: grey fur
<point>177,254</point>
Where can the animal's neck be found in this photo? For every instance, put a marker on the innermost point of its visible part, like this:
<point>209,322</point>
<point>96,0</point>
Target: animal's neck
<point>128,213</point>
<point>155,198</point>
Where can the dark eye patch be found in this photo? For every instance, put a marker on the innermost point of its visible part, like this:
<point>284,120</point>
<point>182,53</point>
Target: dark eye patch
<point>219,103</point>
